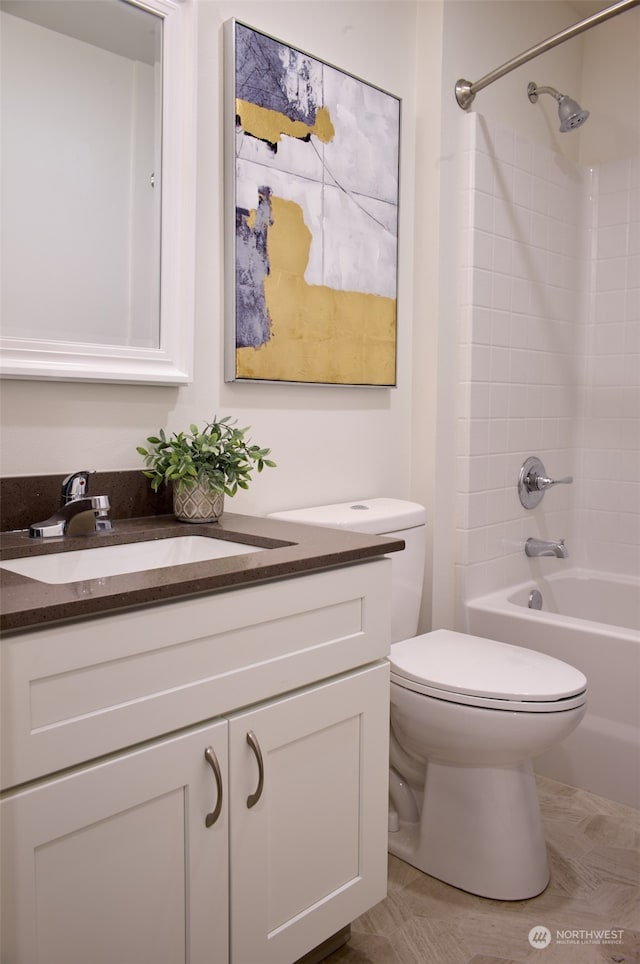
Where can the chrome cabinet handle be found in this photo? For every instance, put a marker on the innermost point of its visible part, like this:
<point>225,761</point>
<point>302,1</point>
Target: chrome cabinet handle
<point>212,760</point>
<point>253,798</point>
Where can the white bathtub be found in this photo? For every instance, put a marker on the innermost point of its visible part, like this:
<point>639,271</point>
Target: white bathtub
<point>591,620</point>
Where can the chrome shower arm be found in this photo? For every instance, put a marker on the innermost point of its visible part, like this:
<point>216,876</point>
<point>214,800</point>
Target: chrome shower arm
<point>466,91</point>
<point>533,90</point>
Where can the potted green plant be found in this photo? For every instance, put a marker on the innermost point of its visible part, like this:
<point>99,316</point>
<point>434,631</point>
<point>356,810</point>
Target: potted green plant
<point>203,465</point>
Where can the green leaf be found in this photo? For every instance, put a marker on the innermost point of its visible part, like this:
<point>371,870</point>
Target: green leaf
<point>217,455</point>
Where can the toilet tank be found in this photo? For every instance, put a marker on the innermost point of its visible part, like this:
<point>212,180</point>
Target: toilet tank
<point>385,517</point>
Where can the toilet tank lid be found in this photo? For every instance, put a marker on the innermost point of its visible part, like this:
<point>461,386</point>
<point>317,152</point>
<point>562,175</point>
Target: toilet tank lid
<point>375,516</point>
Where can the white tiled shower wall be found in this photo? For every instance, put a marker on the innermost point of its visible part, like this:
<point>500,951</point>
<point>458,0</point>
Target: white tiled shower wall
<point>608,514</point>
<point>549,358</point>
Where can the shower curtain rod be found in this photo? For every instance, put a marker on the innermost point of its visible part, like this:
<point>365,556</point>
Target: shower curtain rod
<point>466,91</point>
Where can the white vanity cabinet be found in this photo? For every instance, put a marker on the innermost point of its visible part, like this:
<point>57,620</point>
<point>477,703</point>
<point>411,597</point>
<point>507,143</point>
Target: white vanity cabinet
<point>311,858</point>
<point>113,863</point>
<point>107,855</point>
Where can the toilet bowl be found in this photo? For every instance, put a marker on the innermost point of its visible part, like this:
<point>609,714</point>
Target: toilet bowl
<point>468,715</point>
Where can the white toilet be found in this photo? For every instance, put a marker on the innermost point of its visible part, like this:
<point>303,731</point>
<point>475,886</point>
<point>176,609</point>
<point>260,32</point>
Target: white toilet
<point>467,716</point>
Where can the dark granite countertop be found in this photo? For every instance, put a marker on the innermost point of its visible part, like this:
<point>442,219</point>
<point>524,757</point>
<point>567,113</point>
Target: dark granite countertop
<point>292,550</point>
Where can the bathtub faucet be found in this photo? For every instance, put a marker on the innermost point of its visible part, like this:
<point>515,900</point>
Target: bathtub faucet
<point>541,547</point>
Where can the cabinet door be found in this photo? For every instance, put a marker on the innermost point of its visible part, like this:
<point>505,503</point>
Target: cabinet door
<point>113,863</point>
<point>311,854</point>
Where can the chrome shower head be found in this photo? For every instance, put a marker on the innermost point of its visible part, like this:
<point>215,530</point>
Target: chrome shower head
<point>570,112</point>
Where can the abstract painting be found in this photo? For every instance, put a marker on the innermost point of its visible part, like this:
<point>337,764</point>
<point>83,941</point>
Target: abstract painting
<point>312,218</point>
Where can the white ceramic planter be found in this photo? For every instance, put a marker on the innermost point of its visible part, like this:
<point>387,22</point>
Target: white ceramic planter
<point>197,504</point>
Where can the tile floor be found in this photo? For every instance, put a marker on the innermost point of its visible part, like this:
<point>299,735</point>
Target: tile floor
<point>594,853</point>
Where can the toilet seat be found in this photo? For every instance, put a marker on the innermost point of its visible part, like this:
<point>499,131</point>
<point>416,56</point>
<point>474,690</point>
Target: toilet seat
<point>482,672</point>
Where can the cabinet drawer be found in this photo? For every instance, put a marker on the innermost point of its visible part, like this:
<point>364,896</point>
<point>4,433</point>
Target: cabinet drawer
<point>76,692</point>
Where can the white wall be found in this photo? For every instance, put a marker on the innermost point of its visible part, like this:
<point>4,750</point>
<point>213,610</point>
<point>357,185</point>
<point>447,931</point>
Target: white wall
<point>609,89</point>
<point>609,512</point>
<point>330,443</point>
<point>607,528</point>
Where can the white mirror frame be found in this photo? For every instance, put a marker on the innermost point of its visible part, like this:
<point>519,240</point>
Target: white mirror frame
<point>172,362</point>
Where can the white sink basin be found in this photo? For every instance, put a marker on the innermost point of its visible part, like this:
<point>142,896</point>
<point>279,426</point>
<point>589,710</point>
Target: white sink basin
<point>100,561</point>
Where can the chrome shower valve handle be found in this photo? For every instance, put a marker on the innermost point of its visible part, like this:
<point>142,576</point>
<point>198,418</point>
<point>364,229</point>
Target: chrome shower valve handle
<point>542,483</point>
<point>533,482</point>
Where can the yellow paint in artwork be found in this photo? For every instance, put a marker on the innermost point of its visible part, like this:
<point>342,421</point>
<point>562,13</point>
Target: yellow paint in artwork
<point>270,125</point>
<point>317,334</point>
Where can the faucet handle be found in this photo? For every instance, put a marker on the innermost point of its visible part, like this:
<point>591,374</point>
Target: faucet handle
<point>542,482</point>
<point>76,485</point>
<point>533,482</point>
<point>101,505</point>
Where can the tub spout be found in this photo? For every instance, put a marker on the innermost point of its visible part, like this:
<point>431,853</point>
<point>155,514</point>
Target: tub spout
<point>543,547</point>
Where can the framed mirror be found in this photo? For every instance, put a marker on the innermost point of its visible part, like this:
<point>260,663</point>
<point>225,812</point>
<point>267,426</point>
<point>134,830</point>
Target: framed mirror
<point>97,183</point>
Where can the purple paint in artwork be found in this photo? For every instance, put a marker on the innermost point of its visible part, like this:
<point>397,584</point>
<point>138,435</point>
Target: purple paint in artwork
<point>253,324</point>
<point>262,77</point>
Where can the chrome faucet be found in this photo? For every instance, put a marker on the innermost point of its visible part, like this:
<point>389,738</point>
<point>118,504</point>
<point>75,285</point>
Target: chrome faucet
<point>75,518</point>
<point>542,547</point>
<point>79,514</point>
